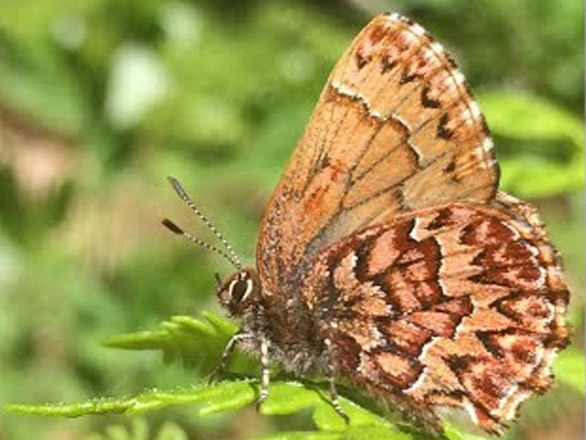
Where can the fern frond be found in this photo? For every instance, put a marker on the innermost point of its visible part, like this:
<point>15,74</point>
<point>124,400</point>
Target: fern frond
<point>197,343</point>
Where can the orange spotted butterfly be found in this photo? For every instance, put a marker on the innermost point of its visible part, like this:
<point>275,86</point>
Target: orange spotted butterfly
<point>388,256</point>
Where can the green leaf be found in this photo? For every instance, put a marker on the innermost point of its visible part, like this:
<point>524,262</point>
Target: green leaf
<point>378,432</point>
<point>284,398</point>
<point>191,340</point>
<point>325,416</point>
<point>197,342</point>
<point>569,369</point>
<point>545,154</point>
<point>452,433</point>
<point>232,395</point>
<point>35,80</point>
<point>194,340</point>
<point>534,177</point>
<point>288,398</point>
<point>214,398</point>
<point>363,433</point>
<point>227,396</point>
<point>528,117</point>
<point>75,409</point>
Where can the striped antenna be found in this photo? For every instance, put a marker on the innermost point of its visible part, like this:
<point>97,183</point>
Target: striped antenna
<point>233,258</point>
<point>177,230</point>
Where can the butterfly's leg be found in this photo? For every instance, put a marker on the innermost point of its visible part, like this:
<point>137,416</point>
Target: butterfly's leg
<point>331,379</point>
<point>237,338</point>
<point>265,373</point>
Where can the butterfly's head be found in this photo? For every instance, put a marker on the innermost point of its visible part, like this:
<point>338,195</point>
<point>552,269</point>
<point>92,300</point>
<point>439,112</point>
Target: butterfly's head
<point>240,291</point>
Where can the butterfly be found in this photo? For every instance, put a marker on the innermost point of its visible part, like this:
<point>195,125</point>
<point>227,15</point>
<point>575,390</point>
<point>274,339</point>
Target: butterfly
<point>388,256</point>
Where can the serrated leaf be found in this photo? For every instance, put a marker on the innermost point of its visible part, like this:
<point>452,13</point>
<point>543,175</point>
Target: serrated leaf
<point>232,395</point>
<point>290,397</point>
<point>197,342</point>
<point>221,396</point>
<point>191,338</point>
<point>221,325</point>
<point>227,396</point>
<point>75,409</point>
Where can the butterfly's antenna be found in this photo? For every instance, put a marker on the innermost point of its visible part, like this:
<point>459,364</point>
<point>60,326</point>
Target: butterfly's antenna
<point>177,230</point>
<point>185,197</point>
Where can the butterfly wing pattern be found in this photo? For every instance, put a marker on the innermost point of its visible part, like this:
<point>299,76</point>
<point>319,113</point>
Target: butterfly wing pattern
<point>387,237</point>
<point>460,305</point>
<point>395,130</point>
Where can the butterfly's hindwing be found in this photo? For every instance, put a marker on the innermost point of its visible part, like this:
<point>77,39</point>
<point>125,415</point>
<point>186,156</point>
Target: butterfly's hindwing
<point>459,306</point>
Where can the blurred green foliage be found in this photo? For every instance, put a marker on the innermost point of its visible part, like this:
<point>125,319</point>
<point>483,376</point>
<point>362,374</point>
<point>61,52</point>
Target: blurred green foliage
<point>139,430</point>
<point>100,100</point>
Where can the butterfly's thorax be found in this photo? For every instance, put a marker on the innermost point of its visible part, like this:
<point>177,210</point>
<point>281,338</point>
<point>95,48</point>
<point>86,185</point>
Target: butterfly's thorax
<point>286,325</point>
<point>294,336</point>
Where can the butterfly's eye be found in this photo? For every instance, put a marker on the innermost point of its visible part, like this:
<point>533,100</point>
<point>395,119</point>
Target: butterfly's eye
<point>240,288</point>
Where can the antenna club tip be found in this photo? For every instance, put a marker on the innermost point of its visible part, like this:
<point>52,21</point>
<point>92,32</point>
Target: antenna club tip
<point>178,188</point>
<point>172,226</point>
<point>173,181</point>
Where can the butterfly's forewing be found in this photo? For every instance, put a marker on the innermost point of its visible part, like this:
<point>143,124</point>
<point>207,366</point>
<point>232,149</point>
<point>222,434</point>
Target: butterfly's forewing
<point>455,306</point>
<point>395,129</point>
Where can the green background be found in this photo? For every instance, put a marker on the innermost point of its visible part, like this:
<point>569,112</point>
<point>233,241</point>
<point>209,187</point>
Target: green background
<point>100,100</point>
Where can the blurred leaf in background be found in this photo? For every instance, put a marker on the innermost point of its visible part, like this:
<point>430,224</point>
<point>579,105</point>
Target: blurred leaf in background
<point>101,99</point>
